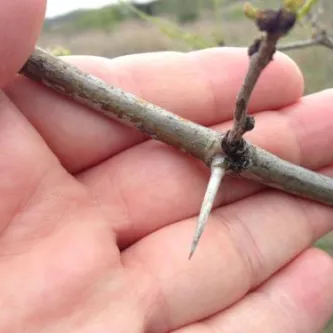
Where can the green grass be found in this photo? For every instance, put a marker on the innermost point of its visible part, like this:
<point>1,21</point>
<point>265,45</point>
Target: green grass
<point>329,327</point>
<point>326,244</point>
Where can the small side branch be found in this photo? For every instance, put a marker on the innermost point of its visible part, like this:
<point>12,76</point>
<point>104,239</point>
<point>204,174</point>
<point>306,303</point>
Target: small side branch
<point>274,24</point>
<point>218,170</point>
<point>327,40</point>
<point>261,54</point>
<point>320,35</point>
<point>321,38</point>
<point>299,44</point>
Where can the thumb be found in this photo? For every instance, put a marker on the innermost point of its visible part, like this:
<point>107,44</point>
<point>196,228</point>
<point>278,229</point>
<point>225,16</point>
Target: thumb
<point>20,25</point>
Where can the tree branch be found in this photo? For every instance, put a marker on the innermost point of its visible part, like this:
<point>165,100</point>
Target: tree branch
<point>320,38</point>
<point>261,53</point>
<point>298,44</point>
<point>115,103</point>
<point>269,169</point>
<point>326,40</point>
<point>199,141</point>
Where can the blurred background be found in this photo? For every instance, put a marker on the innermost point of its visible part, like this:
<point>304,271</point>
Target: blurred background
<point>111,28</point>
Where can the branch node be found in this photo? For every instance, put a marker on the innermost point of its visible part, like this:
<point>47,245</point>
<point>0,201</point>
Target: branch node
<point>249,123</point>
<point>275,24</point>
<point>236,151</point>
<point>254,47</point>
<point>276,21</point>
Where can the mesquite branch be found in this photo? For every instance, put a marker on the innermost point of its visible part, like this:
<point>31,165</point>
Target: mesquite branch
<point>159,124</point>
<point>261,53</point>
<point>199,141</point>
<point>275,24</point>
<point>222,152</point>
<point>299,44</point>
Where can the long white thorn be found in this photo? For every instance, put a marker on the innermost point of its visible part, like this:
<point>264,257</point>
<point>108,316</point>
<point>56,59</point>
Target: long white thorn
<point>218,170</point>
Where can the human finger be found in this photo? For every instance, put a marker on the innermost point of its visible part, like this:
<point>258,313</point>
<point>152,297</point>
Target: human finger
<point>244,244</point>
<point>20,24</point>
<point>299,298</point>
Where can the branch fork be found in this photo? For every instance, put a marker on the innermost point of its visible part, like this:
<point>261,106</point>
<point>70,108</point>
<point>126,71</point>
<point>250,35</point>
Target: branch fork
<point>274,24</point>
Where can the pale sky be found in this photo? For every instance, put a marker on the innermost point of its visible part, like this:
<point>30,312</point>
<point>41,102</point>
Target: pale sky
<point>59,7</point>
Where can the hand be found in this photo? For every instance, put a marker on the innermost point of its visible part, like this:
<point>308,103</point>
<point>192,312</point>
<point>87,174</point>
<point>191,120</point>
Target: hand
<point>97,221</point>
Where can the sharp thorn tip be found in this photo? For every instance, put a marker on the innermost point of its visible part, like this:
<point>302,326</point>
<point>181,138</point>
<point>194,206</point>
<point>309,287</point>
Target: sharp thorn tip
<point>193,248</point>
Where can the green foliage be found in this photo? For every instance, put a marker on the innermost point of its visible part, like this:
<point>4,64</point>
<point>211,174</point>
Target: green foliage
<point>188,11</point>
<point>303,11</point>
<point>186,17</point>
<point>236,13</point>
<point>59,51</point>
<point>329,327</point>
<point>173,31</point>
<point>217,32</point>
<point>94,19</point>
<point>105,18</point>
<point>173,7</point>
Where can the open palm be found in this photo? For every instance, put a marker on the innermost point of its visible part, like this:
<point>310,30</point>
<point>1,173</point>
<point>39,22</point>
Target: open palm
<point>97,220</point>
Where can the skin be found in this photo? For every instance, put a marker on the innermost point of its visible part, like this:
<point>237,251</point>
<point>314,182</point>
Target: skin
<point>96,220</point>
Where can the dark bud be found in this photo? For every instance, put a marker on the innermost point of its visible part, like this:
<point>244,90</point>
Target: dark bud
<point>276,21</point>
<point>249,123</point>
<point>254,47</point>
<point>237,153</point>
